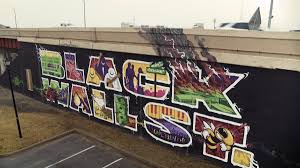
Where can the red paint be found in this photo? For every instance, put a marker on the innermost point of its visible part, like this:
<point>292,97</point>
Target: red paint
<point>9,43</point>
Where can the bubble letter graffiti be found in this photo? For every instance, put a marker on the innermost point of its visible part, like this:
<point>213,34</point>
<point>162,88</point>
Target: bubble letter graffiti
<point>146,79</point>
<point>122,116</point>
<point>190,86</point>
<point>51,64</point>
<point>164,125</point>
<point>103,70</point>
<point>80,100</point>
<point>99,106</point>
<point>55,93</point>
<point>73,74</point>
<point>243,158</point>
<point>219,135</point>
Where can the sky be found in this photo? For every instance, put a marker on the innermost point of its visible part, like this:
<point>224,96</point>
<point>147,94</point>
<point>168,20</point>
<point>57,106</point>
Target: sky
<point>171,13</point>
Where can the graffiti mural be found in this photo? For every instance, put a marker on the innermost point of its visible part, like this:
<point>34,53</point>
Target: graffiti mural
<point>122,116</point>
<point>51,63</point>
<point>73,73</point>
<point>191,86</point>
<point>53,92</point>
<point>165,124</point>
<point>79,99</point>
<point>178,81</point>
<point>219,135</point>
<point>17,82</point>
<point>138,75</point>
<point>99,106</point>
<point>210,81</point>
<point>2,63</point>
<point>243,158</point>
<point>103,70</point>
<point>182,98</point>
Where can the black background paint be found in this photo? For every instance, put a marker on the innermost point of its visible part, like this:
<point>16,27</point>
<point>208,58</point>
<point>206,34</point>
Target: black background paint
<point>269,99</point>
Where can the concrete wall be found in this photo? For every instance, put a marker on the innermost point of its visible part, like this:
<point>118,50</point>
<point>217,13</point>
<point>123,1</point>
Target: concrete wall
<point>2,62</point>
<point>274,50</point>
<point>200,101</point>
<point>234,115</point>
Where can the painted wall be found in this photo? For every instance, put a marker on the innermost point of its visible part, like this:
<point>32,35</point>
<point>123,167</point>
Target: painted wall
<point>2,62</point>
<point>239,116</point>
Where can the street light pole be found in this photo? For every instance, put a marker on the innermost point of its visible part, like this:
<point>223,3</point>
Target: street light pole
<point>14,101</point>
<point>270,15</point>
<point>84,13</point>
<point>215,20</point>
<point>16,23</point>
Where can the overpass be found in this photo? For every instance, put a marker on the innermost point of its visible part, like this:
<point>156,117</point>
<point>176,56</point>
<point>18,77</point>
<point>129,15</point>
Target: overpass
<point>247,48</point>
<point>228,95</point>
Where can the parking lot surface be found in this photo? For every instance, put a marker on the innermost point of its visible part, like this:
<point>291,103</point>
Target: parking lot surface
<point>71,151</point>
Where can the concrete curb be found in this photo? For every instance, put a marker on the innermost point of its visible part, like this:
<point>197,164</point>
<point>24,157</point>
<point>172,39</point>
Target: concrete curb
<point>38,143</point>
<point>88,135</point>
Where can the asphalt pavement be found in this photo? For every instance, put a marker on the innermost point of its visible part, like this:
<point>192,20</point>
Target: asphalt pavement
<point>72,151</point>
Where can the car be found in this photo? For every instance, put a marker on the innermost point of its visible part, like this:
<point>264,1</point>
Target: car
<point>253,24</point>
<point>234,26</point>
<point>3,26</point>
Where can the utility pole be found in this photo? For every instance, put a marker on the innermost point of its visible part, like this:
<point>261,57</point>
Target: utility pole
<point>16,23</point>
<point>84,18</point>
<point>270,15</point>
